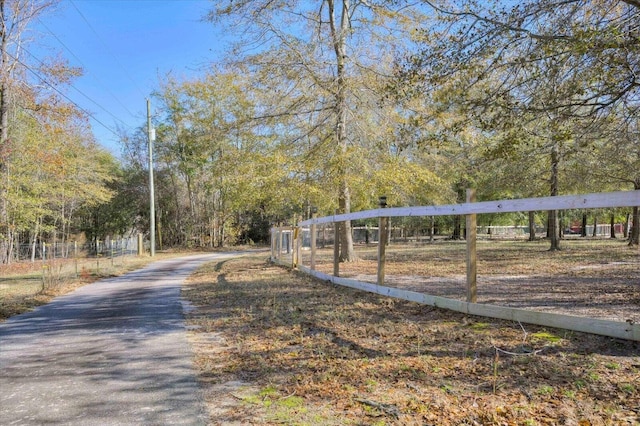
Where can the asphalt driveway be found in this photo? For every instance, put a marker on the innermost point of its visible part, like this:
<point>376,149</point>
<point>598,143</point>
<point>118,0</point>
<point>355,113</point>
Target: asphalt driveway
<point>111,353</point>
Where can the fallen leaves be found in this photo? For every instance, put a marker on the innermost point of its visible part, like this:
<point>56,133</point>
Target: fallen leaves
<point>354,358</point>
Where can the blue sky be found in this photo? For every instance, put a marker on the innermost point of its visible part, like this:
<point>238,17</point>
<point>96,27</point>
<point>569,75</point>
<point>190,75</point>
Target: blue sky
<point>125,47</point>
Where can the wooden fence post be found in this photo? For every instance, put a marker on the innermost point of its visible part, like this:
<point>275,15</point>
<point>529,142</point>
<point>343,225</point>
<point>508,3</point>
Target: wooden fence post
<point>312,263</point>
<point>299,243</point>
<point>276,242</point>
<point>296,242</point>
<point>336,249</point>
<point>383,222</point>
<point>140,245</point>
<point>280,243</point>
<point>111,252</point>
<point>472,293</point>
<point>294,247</point>
<point>273,243</point>
<point>44,264</point>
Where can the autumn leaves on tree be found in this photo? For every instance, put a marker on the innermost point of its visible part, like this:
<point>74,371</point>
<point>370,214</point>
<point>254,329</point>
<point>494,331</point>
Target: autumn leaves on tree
<point>51,168</point>
<point>330,104</point>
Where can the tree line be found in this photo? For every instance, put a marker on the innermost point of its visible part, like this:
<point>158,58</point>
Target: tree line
<point>52,171</point>
<point>326,105</point>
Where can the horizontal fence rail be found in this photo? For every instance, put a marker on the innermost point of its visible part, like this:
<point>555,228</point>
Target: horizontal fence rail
<point>287,243</point>
<point>564,202</point>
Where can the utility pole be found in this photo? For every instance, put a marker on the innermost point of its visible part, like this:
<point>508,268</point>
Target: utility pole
<point>152,208</point>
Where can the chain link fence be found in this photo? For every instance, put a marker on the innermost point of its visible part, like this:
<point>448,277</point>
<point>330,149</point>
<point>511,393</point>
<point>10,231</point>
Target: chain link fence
<point>43,266</point>
<point>40,251</point>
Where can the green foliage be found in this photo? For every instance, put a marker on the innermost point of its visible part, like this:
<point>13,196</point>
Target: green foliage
<point>56,171</point>
<point>50,165</point>
<point>121,214</point>
<point>546,336</point>
<point>415,101</point>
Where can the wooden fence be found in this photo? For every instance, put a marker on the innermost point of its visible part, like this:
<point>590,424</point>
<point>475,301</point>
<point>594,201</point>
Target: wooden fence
<point>289,241</point>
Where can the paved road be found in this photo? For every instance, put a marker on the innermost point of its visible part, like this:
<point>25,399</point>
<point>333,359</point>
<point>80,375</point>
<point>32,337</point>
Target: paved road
<point>111,353</point>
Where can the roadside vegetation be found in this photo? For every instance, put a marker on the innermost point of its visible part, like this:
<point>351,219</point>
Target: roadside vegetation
<point>26,285</point>
<point>275,347</point>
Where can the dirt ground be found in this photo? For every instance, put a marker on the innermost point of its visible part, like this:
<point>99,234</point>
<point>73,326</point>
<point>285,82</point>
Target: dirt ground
<point>592,278</point>
<point>276,347</point>
<point>572,295</point>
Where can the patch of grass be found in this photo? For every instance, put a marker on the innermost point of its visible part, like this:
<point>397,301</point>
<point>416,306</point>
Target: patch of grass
<point>371,384</point>
<point>546,336</point>
<point>278,407</point>
<point>545,390</point>
<point>292,402</point>
<point>627,388</point>
<point>269,391</point>
<point>480,326</point>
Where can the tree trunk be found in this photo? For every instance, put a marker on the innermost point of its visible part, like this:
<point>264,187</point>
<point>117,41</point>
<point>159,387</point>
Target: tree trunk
<point>613,226</point>
<point>11,243</point>
<point>595,226</point>
<point>634,234</point>
<point>432,229</point>
<point>457,228</point>
<point>552,230</point>
<point>553,233</point>
<point>625,228</point>
<point>347,252</point>
<point>532,226</point>
<point>192,230</point>
<point>583,229</point>
<point>159,228</point>
<point>34,241</point>
<point>4,135</point>
<point>221,233</point>
<point>339,38</point>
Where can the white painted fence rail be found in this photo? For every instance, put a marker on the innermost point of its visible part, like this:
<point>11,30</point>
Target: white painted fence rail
<point>564,202</point>
<point>618,329</point>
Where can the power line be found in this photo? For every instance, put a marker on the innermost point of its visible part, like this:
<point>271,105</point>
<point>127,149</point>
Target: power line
<point>62,94</point>
<point>115,58</point>
<point>84,67</point>
<point>81,92</point>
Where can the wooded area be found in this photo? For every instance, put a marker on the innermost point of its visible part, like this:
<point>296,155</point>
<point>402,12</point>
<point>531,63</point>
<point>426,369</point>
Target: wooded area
<point>327,105</point>
<point>52,171</point>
